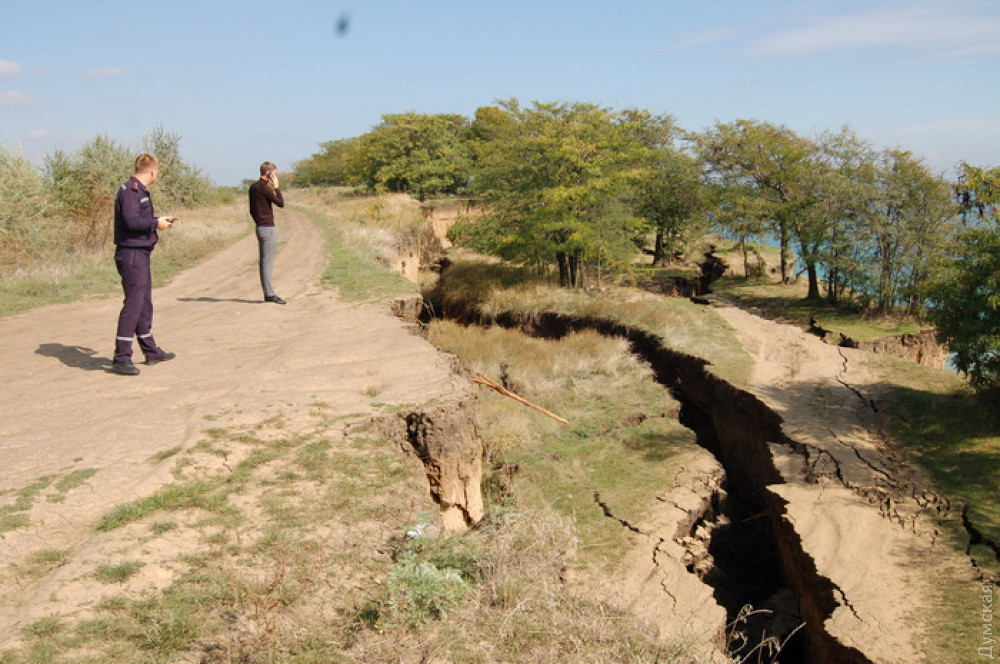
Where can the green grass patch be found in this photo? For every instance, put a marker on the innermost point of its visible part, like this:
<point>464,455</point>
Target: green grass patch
<point>68,482</point>
<point>359,280</point>
<point>357,275</point>
<point>119,572</point>
<point>10,522</point>
<point>74,278</point>
<point>166,454</point>
<point>955,435</point>
<point>621,443</point>
<point>13,516</point>
<point>787,303</point>
<point>190,495</point>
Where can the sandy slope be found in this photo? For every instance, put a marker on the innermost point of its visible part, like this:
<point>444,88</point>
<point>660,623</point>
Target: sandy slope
<point>239,361</point>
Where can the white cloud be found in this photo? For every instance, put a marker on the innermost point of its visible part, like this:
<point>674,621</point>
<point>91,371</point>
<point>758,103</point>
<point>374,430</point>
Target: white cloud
<point>13,98</point>
<point>39,133</point>
<point>102,72</point>
<point>936,31</point>
<point>960,29</point>
<point>8,68</point>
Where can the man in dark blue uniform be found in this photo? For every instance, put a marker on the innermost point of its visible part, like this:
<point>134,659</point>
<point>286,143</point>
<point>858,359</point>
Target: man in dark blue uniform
<point>135,237</point>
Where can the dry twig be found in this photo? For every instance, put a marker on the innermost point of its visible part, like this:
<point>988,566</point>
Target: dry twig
<point>483,380</point>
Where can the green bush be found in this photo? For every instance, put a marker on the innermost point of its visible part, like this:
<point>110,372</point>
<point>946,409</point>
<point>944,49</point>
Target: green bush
<point>419,591</point>
<point>67,206</point>
<point>24,208</point>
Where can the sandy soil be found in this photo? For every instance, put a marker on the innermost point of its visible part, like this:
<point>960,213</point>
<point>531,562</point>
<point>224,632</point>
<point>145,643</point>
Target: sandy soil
<point>860,510</point>
<point>239,361</point>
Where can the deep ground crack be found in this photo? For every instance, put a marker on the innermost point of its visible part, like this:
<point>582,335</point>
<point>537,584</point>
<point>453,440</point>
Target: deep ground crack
<point>976,536</point>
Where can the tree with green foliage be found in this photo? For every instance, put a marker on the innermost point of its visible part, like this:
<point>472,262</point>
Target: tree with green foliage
<point>558,182</point>
<point>85,182</point>
<point>326,168</point>
<point>965,294</point>
<point>978,193</point>
<point>671,195</point>
<point>903,225</point>
<point>763,179</point>
<point>412,153</point>
<point>84,185</point>
<point>180,185</point>
<point>846,163</point>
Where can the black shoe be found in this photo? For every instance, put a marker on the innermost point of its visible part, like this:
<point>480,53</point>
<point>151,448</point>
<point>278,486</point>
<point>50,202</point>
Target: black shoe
<point>275,299</point>
<point>160,358</point>
<point>125,368</point>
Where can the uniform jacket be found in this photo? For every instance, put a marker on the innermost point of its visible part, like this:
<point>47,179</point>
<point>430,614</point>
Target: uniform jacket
<point>135,223</point>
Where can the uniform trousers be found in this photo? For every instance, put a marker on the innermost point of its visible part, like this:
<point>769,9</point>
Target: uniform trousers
<point>136,317</point>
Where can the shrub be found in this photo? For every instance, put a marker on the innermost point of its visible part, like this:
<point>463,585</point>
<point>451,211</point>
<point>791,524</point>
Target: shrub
<point>24,209</point>
<point>419,591</point>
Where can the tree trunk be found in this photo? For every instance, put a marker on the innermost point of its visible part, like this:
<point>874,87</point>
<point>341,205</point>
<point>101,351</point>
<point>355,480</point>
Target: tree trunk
<point>813,293</point>
<point>833,285</point>
<point>563,260</point>
<point>785,254</point>
<point>658,249</point>
<point>574,270</point>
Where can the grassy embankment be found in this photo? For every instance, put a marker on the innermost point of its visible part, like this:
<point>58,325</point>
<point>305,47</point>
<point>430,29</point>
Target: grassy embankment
<point>938,423</point>
<point>941,425</point>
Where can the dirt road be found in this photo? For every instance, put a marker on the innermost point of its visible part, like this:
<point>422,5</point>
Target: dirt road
<point>63,414</point>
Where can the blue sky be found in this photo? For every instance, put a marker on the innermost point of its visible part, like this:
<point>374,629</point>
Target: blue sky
<point>242,82</point>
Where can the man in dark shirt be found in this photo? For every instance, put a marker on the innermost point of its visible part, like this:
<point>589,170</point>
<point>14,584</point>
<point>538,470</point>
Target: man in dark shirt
<point>135,237</point>
<point>263,194</point>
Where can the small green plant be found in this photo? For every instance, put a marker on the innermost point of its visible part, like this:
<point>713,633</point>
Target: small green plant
<point>119,573</point>
<point>44,628</point>
<point>11,516</point>
<point>48,558</point>
<point>71,481</point>
<point>419,591</point>
<point>161,527</point>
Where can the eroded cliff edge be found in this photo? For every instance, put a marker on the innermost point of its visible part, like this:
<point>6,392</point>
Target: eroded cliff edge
<point>841,523</point>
